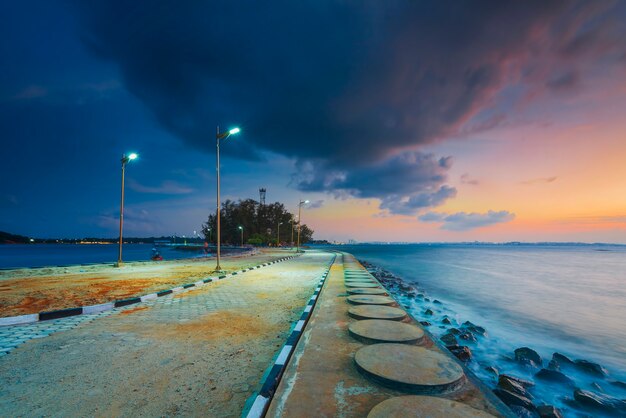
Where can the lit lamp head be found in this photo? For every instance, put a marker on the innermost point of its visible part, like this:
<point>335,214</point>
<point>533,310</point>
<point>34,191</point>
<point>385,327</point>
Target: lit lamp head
<point>226,134</point>
<point>241,227</point>
<point>130,157</point>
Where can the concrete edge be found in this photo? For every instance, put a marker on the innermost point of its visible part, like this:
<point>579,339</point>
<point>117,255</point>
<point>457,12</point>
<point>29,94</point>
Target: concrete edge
<point>90,309</point>
<point>258,404</point>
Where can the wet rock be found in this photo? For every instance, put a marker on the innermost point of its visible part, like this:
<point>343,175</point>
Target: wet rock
<point>523,382</point>
<point>467,336</point>
<point>492,370</point>
<point>461,352</point>
<point>436,302</point>
<point>522,412</point>
<point>554,376</point>
<point>553,365</point>
<point>618,384</point>
<point>591,368</point>
<point>599,402</point>
<point>449,339</point>
<point>425,323</point>
<point>428,312</point>
<point>513,399</point>
<point>504,382</point>
<point>446,321</point>
<point>475,329</point>
<point>548,411</point>
<point>561,359</point>
<point>420,295</point>
<point>528,356</point>
<point>427,299</point>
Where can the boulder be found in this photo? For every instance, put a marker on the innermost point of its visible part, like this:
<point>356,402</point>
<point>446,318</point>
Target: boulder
<point>436,302</point>
<point>510,385</point>
<point>561,359</point>
<point>528,356</point>
<point>446,321</point>
<point>510,399</point>
<point>454,331</point>
<point>448,339</point>
<point>591,368</point>
<point>554,376</point>
<point>548,411</point>
<point>618,384</point>
<point>475,329</point>
<point>428,312</point>
<point>461,352</point>
<point>554,365</point>
<point>523,382</point>
<point>425,323</point>
<point>493,371</point>
<point>522,412</point>
<point>467,336</point>
<point>600,402</point>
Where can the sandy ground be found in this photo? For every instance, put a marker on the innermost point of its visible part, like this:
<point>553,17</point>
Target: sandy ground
<point>26,291</point>
<point>147,361</point>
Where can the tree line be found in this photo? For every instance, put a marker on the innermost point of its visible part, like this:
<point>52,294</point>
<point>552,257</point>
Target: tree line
<point>260,224</point>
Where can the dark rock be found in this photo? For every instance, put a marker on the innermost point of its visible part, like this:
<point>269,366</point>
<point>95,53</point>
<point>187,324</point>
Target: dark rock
<point>475,329</point>
<point>528,356</point>
<point>548,411</point>
<point>554,365</point>
<point>554,376</point>
<point>448,339</point>
<point>600,402</point>
<point>425,323</point>
<point>512,386</point>
<point>461,352</point>
<point>467,336</point>
<point>420,295</point>
<point>523,382</point>
<point>591,368</point>
<point>561,359</point>
<point>446,321</point>
<point>427,299</point>
<point>522,412</point>
<point>435,301</point>
<point>492,370</point>
<point>454,331</point>
<point>428,312</point>
<point>618,384</point>
<point>510,399</point>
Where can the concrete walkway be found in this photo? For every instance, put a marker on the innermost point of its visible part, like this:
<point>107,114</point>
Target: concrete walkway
<point>200,352</point>
<point>323,379</point>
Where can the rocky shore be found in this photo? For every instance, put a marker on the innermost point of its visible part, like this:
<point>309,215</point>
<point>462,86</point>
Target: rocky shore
<point>559,387</point>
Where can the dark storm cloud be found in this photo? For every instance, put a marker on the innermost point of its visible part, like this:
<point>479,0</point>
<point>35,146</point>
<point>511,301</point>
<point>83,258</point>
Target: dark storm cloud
<point>463,221</point>
<point>348,89</point>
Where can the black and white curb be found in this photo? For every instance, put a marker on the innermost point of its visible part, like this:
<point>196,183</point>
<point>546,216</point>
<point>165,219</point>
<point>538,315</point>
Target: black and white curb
<point>273,376</point>
<point>92,309</point>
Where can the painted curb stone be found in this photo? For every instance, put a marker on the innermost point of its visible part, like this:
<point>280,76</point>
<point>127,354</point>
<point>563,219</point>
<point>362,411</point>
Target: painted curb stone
<point>409,368</point>
<point>367,291</point>
<point>388,313</point>
<point>424,406</point>
<point>382,331</point>
<point>370,300</point>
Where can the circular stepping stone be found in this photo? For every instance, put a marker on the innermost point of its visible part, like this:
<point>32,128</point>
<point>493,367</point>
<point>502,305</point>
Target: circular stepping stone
<point>370,300</point>
<point>367,291</point>
<point>424,406</point>
<point>409,368</point>
<point>377,312</point>
<point>382,331</point>
<point>361,284</point>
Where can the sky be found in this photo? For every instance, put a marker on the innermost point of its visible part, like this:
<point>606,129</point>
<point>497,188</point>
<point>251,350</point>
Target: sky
<point>398,120</point>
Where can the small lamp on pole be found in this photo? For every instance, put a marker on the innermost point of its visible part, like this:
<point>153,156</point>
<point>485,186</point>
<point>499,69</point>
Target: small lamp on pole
<point>125,160</point>
<point>302,202</point>
<point>241,229</point>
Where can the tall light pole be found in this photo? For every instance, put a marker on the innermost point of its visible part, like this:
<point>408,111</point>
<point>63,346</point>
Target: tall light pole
<point>302,202</point>
<point>241,229</point>
<point>292,241</point>
<point>278,235</point>
<point>219,136</point>
<point>125,161</point>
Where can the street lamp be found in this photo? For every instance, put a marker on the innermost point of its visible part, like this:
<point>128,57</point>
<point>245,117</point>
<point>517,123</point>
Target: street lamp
<point>278,234</point>
<point>219,136</point>
<point>241,229</point>
<point>292,241</point>
<point>125,160</point>
<point>302,202</point>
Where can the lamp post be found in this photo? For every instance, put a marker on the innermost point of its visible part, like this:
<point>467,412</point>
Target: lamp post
<point>125,161</point>
<point>292,241</point>
<point>219,136</point>
<point>210,235</point>
<point>302,202</point>
<point>278,234</point>
<point>241,229</point>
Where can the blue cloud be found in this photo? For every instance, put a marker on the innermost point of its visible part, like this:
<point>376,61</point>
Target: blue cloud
<point>463,221</point>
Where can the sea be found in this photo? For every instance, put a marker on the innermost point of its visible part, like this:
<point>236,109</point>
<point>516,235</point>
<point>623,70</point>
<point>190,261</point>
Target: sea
<point>48,255</point>
<point>569,299</point>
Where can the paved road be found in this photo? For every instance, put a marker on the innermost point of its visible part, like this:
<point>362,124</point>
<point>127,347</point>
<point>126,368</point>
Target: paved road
<point>198,352</point>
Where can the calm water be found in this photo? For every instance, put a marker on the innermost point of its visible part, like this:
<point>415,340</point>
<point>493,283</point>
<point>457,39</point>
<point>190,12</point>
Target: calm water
<point>570,299</point>
<point>40,255</point>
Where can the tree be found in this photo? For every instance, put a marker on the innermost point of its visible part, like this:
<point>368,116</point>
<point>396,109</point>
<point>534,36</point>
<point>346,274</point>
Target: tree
<point>259,222</point>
